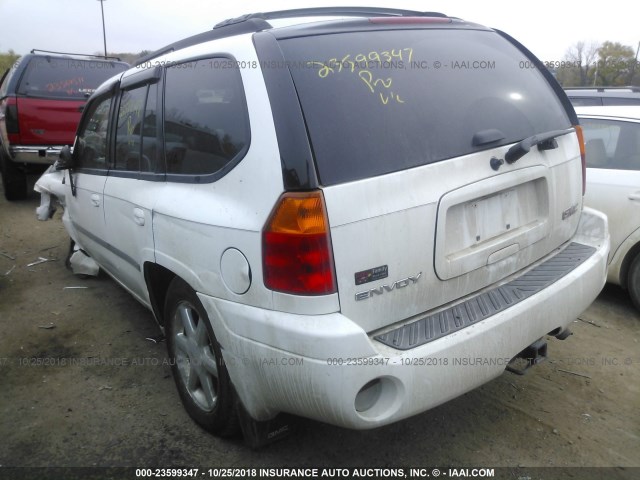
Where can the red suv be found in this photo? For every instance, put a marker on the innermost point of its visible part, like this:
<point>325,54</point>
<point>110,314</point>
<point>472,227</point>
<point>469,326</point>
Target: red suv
<point>41,100</point>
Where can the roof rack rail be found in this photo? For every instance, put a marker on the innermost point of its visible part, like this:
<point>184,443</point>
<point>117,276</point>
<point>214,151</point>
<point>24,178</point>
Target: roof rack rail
<point>255,22</point>
<point>330,12</point>
<point>250,26</point>
<point>34,50</point>
<point>598,88</point>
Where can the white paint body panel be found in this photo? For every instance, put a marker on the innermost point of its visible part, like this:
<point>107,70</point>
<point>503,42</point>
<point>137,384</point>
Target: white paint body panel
<point>616,193</point>
<point>128,203</point>
<point>286,361</point>
<point>404,215</point>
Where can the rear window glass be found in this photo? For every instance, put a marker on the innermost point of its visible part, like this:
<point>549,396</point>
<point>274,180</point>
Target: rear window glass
<point>384,101</point>
<point>66,77</point>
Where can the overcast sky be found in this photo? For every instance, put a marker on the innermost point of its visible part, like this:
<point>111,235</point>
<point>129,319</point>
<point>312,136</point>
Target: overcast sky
<point>547,27</point>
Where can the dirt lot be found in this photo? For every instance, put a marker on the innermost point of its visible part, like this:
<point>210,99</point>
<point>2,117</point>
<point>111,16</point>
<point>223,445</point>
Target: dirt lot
<point>61,404</point>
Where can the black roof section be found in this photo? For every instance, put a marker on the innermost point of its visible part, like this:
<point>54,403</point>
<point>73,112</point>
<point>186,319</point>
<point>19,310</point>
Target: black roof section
<point>256,22</point>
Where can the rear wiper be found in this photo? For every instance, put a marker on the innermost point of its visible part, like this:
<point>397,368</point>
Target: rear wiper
<point>544,141</point>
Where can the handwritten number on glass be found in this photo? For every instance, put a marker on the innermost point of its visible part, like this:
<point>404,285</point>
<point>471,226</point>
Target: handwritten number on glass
<point>363,64</point>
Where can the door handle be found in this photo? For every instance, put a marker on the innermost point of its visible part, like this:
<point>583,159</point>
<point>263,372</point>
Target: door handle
<point>635,196</point>
<point>138,216</point>
<point>95,199</point>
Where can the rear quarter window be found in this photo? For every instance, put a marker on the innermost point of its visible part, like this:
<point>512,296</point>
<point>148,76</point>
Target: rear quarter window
<point>206,123</point>
<point>384,101</point>
<point>66,78</point>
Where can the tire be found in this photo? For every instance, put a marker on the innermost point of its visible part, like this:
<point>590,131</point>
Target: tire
<point>633,281</point>
<point>200,374</point>
<point>14,179</point>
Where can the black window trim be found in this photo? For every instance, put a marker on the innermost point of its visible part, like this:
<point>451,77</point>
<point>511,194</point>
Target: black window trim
<point>147,76</point>
<point>296,155</point>
<point>160,174</point>
<point>215,176</point>
<point>158,75</point>
<point>108,92</point>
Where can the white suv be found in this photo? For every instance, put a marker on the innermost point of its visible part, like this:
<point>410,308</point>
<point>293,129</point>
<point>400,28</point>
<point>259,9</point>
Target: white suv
<point>352,220</point>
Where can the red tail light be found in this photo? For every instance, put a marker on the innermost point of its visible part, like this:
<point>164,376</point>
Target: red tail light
<point>583,157</point>
<point>296,246</point>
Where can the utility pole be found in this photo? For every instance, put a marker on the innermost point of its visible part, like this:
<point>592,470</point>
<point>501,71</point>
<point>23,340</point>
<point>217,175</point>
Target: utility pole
<point>104,31</point>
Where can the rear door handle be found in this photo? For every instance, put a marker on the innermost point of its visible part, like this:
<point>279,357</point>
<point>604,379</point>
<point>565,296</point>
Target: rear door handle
<point>95,199</point>
<point>138,216</point>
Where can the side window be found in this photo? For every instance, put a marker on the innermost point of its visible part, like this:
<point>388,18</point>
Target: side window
<point>136,142</point>
<point>206,125</point>
<point>612,144</point>
<point>91,145</point>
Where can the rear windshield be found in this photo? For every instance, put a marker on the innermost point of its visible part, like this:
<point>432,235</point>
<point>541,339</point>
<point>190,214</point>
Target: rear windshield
<point>384,101</point>
<point>66,77</point>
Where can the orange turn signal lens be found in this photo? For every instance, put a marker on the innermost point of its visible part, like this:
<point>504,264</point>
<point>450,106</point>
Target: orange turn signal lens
<point>296,246</point>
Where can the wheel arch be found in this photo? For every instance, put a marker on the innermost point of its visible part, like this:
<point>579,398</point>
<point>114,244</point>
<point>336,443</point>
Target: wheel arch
<point>620,262</point>
<point>626,264</point>
<point>158,279</point>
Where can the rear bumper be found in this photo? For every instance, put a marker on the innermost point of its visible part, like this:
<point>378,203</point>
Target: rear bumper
<point>41,154</point>
<point>327,368</point>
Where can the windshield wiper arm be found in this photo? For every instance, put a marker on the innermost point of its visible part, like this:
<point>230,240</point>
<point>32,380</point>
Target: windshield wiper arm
<point>544,141</point>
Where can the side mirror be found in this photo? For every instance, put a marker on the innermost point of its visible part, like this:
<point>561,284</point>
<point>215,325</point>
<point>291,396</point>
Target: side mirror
<point>65,161</point>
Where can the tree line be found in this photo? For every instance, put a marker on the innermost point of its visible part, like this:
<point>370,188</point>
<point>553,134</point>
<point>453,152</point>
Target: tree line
<point>609,64</point>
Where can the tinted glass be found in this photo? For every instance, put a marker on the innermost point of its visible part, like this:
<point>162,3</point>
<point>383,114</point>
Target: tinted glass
<point>384,101</point>
<point>611,144</point>
<point>136,142</point>
<point>205,120</point>
<point>66,78</point>
<point>585,101</point>
<point>129,129</point>
<point>91,146</point>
